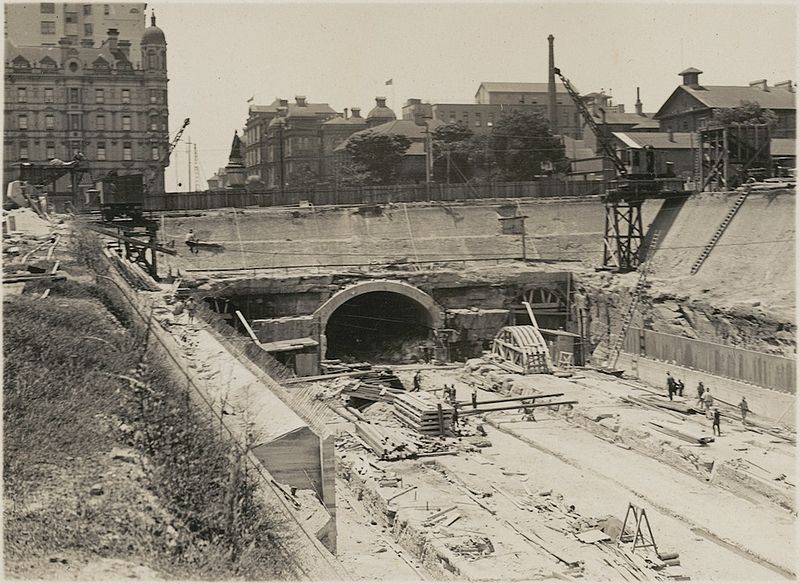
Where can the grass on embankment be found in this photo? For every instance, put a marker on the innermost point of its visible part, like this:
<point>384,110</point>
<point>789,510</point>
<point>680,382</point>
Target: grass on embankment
<point>175,497</point>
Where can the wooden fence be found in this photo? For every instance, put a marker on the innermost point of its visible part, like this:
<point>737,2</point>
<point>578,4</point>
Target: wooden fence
<point>372,195</point>
<point>761,369</point>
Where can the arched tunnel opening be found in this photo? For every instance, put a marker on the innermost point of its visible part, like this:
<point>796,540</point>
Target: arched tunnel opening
<point>378,327</point>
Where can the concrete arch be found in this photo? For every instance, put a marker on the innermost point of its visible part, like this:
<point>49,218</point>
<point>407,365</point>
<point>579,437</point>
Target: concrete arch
<point>326,309</point>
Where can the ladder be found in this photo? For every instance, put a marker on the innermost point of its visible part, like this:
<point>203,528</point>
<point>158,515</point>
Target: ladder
<point>720,230</point>
<point>639,539</point>
<point>641,284</point>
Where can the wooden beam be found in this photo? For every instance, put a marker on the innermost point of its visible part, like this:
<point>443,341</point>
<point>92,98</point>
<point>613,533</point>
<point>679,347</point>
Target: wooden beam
<point>132,241</point>
<point>509,399</point>
<point>515,407</point>
<point>249,330</point>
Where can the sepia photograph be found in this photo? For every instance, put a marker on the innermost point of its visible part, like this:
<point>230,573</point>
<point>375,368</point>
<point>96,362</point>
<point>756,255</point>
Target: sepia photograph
<point>400,291</point>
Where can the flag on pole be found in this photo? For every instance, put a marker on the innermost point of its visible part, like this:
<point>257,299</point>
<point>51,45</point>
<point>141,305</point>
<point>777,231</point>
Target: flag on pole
<point>251,99</point>
<point>388,82</point>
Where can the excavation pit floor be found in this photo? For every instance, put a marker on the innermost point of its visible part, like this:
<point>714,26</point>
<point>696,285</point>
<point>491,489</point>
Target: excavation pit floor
<point>535,470</point>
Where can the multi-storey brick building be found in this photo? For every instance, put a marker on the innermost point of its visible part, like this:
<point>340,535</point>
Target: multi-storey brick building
<point>42,24</point>
<point>96,100</point>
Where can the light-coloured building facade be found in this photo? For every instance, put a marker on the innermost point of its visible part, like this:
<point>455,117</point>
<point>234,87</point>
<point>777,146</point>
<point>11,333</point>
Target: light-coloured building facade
<point>74,97</point>
<point>44,23</point>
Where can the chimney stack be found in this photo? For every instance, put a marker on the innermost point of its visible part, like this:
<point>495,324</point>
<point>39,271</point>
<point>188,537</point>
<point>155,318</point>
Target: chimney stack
<point>380,101</point>
<point>620,108</point>
<point>671,136</point>
<point>345,113</point>
<point>300,100</point>
<point>113,38</point>
<point>283,103</point>
<point>125,47</point>
<point>759,84</point>
<point>551,87</point>
<point>787,85</point>
<point>356,112</point>
<point>638,103</point>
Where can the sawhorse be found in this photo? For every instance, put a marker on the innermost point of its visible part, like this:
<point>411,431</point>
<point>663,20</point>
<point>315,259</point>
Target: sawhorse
<point>640,517</point>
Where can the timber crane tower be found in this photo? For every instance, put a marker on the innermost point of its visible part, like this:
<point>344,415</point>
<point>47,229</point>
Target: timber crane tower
<point>623,239</point>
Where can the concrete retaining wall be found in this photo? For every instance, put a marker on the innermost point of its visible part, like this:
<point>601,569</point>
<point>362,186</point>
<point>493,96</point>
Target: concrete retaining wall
<point>773,406</point>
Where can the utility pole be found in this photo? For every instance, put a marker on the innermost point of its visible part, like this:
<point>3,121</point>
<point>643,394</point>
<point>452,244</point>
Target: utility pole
<point>189,164</point>
<point>448,166</point>
<point>428,159</point>
<point>282,159</point>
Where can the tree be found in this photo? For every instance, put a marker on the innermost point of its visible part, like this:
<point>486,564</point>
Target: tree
<point>523,147</point>
<point>456,153</point>
<point>749,113</point>
<point>378,156</point>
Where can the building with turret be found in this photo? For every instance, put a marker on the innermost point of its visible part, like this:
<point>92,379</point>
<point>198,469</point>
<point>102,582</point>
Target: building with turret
<point>106,100</point>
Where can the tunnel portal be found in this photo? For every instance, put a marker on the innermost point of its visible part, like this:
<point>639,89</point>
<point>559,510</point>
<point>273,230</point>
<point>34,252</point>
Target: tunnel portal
<point>381,326</point>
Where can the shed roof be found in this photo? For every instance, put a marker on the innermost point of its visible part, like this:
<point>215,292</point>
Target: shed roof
<point>658,140</point>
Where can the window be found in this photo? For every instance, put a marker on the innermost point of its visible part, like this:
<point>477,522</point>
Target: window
<point>48,95</point>
<point>49,122</point>
<point>452,117</point>
<point>154,155</point>
<point>23,151</point>
<point>20,63</point>
<point>154,96</point>
<point>75,147</point>
<point>126,123</point>
<point>490,121</point>
<point>87,9</point>
<point>126,96</point>
<point>106,9</point>
<point>74,121</point>
<point>478,122</point>
<point>74,95</point>
<point>126,151</point>
<point>47,7</point>
<point>22,94</point>
<point>71,18</point>
<point>23,122</point>
<point>154,124</point>
<point>101,122</point>
<point>99,95</point>
<point>47,64</point>
<point>51,150</point>
<point>101,151</point>
<point>87,29</point>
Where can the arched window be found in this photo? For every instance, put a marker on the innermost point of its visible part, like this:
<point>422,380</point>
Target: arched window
<point>152,60</point>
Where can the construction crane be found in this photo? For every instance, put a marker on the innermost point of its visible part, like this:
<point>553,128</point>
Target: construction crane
<point>165,157</point>
<point>624,235</point>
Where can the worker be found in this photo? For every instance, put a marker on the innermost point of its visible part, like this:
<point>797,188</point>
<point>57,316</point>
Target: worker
<point>191,308</point>
<point>715,426</point>
<point>744,408</point>
<point>528,417</point>
<point>670,385</point>
<point>474,398</point>
<point>455,417</point>
<point>191,241</point>
<point>700,391</point>
<point>417,381</point>
<point>451,394</point>
<point>679,387</point>
<point>708,402</point>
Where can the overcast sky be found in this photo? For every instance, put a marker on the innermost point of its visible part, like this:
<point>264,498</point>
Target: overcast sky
<point>219,55</point>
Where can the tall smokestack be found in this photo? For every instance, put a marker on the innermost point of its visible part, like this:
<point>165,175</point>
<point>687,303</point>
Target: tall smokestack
<point>551,89</point>
<point>638,103</point>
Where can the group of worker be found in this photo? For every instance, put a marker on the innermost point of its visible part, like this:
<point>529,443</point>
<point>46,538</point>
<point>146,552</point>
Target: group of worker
<point>706,401</point>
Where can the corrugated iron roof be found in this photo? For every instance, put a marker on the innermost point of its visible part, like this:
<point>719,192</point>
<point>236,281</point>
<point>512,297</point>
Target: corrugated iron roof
<point>658,140</point>
<point>730,96</point>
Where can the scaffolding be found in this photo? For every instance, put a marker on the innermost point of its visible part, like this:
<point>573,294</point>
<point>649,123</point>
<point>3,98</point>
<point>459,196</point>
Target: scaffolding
<point>733,154</point>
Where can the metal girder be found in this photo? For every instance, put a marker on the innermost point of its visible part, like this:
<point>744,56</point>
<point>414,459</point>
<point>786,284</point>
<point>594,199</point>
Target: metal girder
<point>623,237</point>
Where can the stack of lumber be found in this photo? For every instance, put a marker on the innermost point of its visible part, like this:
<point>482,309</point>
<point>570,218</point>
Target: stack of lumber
<point>370,391</point>
<point>329,366</point>
<point>386,443</point>
<point>132,273</point>
<point>420,412</point>
<point>680,405</point>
